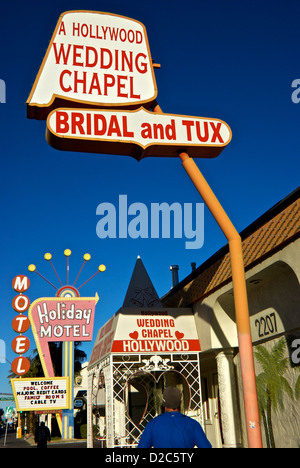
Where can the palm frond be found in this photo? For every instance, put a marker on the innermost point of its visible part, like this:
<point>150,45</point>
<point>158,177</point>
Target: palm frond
<point>297,389</point>
<point>263,357</point>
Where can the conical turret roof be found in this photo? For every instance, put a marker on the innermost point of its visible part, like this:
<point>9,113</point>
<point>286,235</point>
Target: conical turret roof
<point>141,292</point>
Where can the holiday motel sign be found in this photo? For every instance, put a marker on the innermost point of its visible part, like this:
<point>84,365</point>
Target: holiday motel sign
<point>96,88</point>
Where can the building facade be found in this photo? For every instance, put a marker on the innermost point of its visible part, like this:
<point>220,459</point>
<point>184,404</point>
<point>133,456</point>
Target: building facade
<point>209,373</point>
<point>141,350</point>
<point>271,247</point>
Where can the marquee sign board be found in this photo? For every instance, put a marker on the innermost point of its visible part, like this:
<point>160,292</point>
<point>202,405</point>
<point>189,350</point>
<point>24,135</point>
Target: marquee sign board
<point>42,393</point>
<point>63,318</point>
<point>20,324</point>
<point>98,85</point>
<point>156,332</point>
<point>136,331</point>
<point>96,59</point>
<point>137,133</point>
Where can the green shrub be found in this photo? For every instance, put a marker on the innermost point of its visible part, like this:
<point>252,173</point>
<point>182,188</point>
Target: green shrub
<point>83,431</point>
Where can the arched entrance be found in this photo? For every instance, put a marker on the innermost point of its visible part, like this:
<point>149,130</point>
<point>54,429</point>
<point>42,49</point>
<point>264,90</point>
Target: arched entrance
<point>134,386</point>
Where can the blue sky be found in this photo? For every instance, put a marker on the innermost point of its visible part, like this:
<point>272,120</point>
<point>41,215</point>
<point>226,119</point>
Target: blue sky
<point>233,60</point>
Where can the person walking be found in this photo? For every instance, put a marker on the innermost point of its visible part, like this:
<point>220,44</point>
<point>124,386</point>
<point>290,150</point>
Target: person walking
<point>42,436</point>
<point>173,429</point>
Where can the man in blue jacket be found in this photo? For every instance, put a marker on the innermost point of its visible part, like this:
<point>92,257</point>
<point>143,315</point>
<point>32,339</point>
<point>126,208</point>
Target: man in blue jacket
<point>172,429</point>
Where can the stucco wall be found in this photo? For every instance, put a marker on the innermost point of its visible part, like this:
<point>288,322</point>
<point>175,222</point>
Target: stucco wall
<point>274,309</point>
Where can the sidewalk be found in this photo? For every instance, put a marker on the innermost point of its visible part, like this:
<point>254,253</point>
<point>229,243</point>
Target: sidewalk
<point>12,442</point>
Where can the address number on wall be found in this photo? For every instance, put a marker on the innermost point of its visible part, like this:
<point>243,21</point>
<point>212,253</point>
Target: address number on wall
<point>264,325</point>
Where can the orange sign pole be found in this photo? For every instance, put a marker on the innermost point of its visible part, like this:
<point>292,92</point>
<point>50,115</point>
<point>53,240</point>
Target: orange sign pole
<point>240,297</point>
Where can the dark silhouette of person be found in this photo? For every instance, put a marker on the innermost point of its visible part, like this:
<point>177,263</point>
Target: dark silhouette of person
<point>42,436</point>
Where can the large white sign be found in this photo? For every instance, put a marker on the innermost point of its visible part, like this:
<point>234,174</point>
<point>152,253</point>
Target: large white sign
<point>136,133</point>
<point>41,393</point>
<point>156,331</point>
<point>94,58</point>
<point>140,331</point>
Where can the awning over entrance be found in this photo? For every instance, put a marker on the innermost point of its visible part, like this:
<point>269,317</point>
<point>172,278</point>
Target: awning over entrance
<point>134,331</point>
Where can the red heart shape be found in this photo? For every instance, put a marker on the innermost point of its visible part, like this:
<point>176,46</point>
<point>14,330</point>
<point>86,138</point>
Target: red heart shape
<point>179,335</point>
<point>134,335</point>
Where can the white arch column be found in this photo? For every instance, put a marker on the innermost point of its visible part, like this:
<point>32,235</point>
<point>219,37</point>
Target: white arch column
<point>228,398</point>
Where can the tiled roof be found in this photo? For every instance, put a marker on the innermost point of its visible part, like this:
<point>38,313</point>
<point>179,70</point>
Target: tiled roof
<point>270,233</point>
